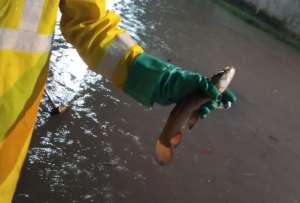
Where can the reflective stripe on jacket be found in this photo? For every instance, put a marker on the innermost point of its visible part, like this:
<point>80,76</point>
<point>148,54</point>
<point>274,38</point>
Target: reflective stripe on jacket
<point>26,29</point>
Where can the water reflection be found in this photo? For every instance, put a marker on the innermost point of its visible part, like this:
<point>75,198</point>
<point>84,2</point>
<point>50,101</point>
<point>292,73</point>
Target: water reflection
<point>130,12</point>
<point>77,147</point>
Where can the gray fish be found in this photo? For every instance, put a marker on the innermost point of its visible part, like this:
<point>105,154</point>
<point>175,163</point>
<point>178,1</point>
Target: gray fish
<point>186,114</point>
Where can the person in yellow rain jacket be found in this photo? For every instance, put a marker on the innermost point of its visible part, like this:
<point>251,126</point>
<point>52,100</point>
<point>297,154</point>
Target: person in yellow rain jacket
<point>26,30</point>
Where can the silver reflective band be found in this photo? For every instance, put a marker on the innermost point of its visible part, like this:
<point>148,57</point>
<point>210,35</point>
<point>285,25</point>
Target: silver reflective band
<point>114,54</point>
<point>26,37</point>
<point>19,40</point>
<point>31,15</point>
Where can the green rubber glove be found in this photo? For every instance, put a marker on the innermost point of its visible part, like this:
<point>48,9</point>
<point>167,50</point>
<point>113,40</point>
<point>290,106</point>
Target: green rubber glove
<point>151,80</point>
<point>227,99</point>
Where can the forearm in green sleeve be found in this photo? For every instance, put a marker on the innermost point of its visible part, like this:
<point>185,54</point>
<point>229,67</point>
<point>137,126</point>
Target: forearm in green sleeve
<point>151,80</point>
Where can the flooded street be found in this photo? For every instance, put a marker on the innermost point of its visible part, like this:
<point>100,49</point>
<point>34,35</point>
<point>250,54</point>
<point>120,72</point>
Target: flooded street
<point>101,150</point>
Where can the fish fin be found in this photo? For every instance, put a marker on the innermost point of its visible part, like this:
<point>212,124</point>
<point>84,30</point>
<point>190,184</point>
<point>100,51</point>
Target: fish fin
<point>176,140</point>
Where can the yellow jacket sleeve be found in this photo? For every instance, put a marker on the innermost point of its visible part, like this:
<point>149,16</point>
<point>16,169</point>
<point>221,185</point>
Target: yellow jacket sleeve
<point>94,32</point>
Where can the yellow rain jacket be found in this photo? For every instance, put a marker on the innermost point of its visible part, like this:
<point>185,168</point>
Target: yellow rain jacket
<point>26,30</point>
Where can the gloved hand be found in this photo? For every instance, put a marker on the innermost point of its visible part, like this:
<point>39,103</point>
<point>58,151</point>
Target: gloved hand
<point>226,99</point>
<point>151,80</point>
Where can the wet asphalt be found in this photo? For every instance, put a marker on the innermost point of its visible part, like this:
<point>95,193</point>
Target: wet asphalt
<point>101,150</point>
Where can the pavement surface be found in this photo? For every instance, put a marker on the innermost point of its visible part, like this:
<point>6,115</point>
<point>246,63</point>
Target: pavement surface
<point>101,150</point>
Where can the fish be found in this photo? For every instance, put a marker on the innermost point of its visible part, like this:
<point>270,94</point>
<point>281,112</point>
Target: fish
<point>186,114</point>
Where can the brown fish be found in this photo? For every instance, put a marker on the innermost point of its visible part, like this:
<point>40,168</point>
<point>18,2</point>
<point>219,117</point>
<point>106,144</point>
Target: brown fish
<point>186,114</point>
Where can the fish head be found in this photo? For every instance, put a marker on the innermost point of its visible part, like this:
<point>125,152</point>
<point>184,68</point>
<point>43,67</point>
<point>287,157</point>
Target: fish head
<point>223,78</point>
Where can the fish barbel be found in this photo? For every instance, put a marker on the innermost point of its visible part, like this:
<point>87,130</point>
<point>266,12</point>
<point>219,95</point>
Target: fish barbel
<point>186,114</point>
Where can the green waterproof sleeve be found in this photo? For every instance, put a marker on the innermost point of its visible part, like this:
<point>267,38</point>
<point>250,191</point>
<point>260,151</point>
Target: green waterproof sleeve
<point>151,80</point>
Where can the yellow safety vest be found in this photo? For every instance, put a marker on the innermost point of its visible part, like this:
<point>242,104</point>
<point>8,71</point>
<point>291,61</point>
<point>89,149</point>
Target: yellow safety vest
<point>26,29</point>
